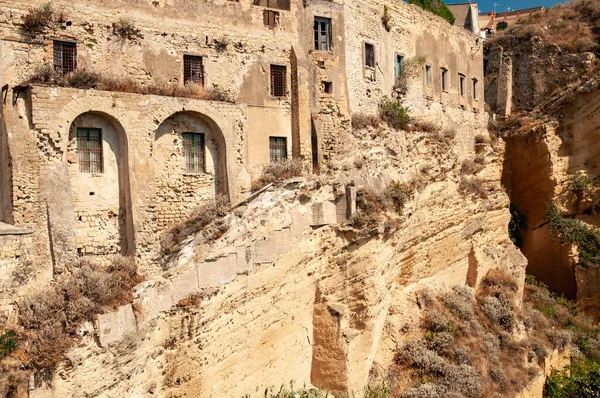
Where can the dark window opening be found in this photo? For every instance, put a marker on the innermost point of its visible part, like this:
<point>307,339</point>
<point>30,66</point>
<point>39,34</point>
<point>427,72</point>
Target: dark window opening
<point>193,69</point>
<point>444,79</point>
<point>278,149</point>
<point>399,66</point>
<point>369,55</point>
<point>193,151</point>
<point>475,87</point>
<point>271,18</point>
<point>277,4</point>
<point>278,81</point>
<point>428,75</point>
<point>65,56</point>
<point>89,150</point>
<point>323,35</point>
<point>327,87</point>
<point>461,86</point>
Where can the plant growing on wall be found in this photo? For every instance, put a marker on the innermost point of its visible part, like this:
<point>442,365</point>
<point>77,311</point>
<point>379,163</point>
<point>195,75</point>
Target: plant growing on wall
<point>437,7</point>
<point>386,19</point>
<point>409,68</point>
<point>125,29</point>
<point>394,113</point>
<point>8,343</point>
<point>38,19</point>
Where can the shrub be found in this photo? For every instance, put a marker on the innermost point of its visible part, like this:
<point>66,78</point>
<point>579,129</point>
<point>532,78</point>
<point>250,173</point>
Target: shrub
<point>277,173</point>
<point>396,195</point>
<point>499,309</point>
<point>472,185</point>
<point>585,187</point>
<point>369,208</point>
<point>437,7</point>
<point>125,29</point>
<point>8,343</point>
<point>499,280</point>
<point>362,121</point>
<point>386,19</point>
<point>460,301</point>
<point>85,79</point>
<point>394,114</point>
<point>470,167</point>
<point>206,218</point>
<point>38,19</point>
<point>436,321</point>
<point>569,230</point>
<point>516,226</point>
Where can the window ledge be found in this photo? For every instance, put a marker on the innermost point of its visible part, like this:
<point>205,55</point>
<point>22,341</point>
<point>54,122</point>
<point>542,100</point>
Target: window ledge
<point>8,229</point>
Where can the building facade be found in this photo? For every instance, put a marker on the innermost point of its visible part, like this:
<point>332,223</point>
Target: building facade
<point>101,172</point>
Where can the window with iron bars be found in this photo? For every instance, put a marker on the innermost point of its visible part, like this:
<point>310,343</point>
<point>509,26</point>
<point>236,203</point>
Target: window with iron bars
<point>193,69</point>
<point>278,81</point>
<point>322,28</point>
<point>65,56</point>
<point>271,18</point>
<point>89,149</point>
<point>278,149</point>
<point>193,151</point>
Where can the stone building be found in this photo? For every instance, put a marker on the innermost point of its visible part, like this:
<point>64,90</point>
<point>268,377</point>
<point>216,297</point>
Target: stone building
<point>91,172</point>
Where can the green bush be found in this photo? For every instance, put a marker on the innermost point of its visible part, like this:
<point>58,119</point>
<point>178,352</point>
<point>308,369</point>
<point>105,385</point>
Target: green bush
<point>437,7</point>
<point>517,224</point>
<point>570,230</point>
<point>8,343</point>
<point>580,380</point>
<point>393,113</point>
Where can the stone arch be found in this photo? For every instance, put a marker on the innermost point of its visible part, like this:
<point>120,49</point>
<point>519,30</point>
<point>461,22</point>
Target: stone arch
<point>178,190</point>
<point>101,198</point>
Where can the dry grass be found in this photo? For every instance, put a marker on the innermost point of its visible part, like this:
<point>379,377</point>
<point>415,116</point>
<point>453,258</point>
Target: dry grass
<point>373,209</point>
<point>574,27</point>
<point>38,19</point>
<point>472,186</point>
<point>277,173</point>
<point>125,29</point>
<point>85,79</point>
<point>49,319</point>
<point>362,121</point>
<point>207,219</point>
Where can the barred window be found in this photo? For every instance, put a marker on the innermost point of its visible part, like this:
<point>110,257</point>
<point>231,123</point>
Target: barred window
<point>271,18</point>
<point>444,79</point>
<point>461,85</point>
<point>65,56</point>
<point>193,151</point>
<point>475,88</point>
<point>89,149</point>
<point>278,81</point>
<point>322,29</point>
<point>193,69</point>
<point>428,75</point>
<point>369,55</point>
<point>278,149</point>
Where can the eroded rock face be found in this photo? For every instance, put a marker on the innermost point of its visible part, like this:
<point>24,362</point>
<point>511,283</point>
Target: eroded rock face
<point>314,300</point>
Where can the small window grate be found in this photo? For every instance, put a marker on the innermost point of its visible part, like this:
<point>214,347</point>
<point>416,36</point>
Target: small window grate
<point>65,56</point>
<point>278,149</point>
<point>278,81</point>
<point>193,69</point>
<point>271,18</point>
<point>369,55</point>
<point>193,151</point>
<point>323,35</point>
<point>89,149</point>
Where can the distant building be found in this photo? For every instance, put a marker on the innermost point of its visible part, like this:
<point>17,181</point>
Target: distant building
<point>490,22</point>
<point>467,15</point>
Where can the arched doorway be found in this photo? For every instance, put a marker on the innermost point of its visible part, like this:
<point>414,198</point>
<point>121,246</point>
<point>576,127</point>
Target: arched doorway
<point>190,165</point>
<point>98,167</point>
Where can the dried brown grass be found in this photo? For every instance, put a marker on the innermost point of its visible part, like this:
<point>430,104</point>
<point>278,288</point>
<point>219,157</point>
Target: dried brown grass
<point>277,173</point>
<point>38,18</point>
<point>85,79</point>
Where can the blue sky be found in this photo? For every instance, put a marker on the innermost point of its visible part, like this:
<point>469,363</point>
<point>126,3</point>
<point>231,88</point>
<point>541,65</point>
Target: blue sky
<point>502,5</point>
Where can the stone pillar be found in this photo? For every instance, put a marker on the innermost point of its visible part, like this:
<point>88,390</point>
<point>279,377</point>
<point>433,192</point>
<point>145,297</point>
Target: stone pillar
<point>505,84</point>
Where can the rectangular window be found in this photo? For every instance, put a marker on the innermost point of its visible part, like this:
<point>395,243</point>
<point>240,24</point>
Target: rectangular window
<point>89,150</point>
<point>369,55</point>
<point>322,28</point>
<point>428,75</point>
<point>193,151</point>
<point>277,4</point>
<point>278,81</point>
<point>444,79</point>
<point>193,69</point>
<point>65,56</point>
<point>475,87</point>
<point>271,18</point>
<point>461,85</point>
<point>399,65</point>
<point>278,149</point>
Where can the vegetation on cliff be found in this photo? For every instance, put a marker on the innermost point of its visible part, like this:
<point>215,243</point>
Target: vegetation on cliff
<point>573,26</point>
<point>49,320</point>
<point>437,7</point>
